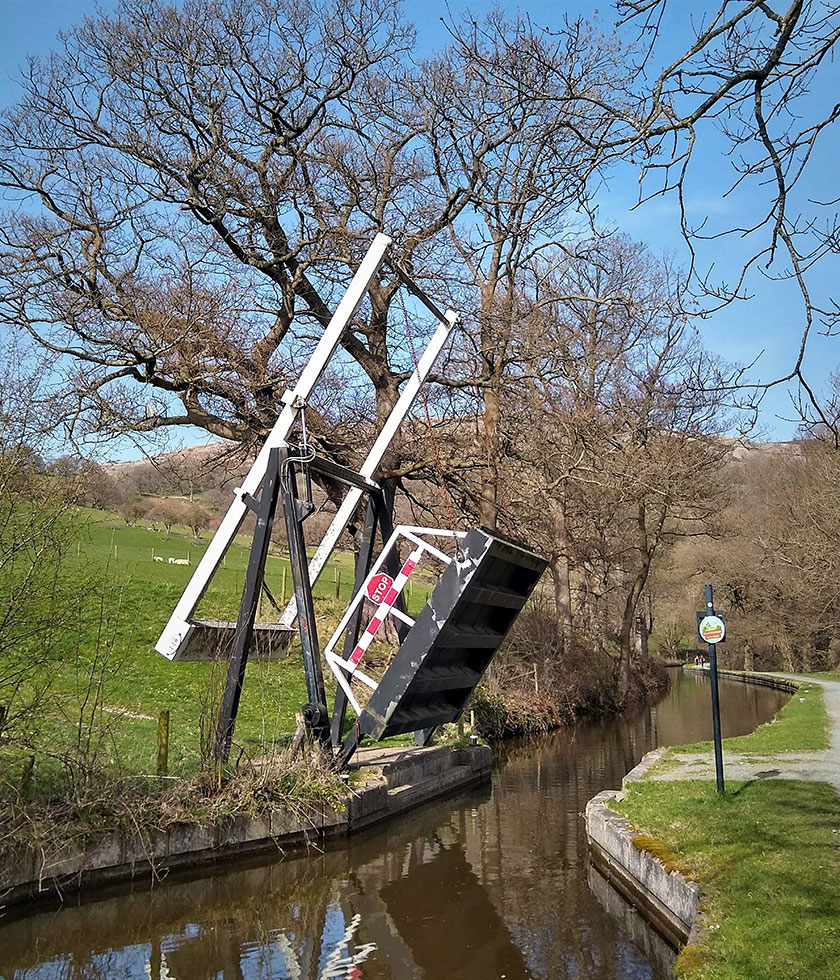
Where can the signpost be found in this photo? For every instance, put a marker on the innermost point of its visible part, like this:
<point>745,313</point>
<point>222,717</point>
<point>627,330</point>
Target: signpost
<point>711,629</point>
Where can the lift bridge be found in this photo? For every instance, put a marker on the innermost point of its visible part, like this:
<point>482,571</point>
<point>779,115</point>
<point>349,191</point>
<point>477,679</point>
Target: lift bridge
<point>442,654</point>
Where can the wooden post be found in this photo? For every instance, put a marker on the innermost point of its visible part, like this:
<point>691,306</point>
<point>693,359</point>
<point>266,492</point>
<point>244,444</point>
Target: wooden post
<point>338,584</point>
<point>298,737</point>
<point>26,778</point>
<point>163,744</point>
<point>472,720</point>
<point>283,585</point>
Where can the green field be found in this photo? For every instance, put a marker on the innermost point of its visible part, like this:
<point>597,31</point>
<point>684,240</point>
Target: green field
<point>108,692</point>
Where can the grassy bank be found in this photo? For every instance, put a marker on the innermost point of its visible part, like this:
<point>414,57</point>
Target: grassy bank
<point>801,726</point>
<point>103,687</point>
<point>104,691</point>
<point>765,854</point>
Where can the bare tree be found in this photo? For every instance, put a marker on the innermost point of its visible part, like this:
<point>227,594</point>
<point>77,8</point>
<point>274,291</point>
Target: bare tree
<point>171,156</point>
<point>752,72</point>
<point>505,121</point>
<point>38,522</point>
<point>620,454</point>
<point>778,569</point>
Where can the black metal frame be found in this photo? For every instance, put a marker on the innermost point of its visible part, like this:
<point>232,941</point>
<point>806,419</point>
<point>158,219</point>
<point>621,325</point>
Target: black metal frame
<point>265,509</point>
<point>440,660</point>
<point>280,483</point>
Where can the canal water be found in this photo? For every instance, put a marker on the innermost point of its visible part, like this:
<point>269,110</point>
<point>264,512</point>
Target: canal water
<point>493,884</point>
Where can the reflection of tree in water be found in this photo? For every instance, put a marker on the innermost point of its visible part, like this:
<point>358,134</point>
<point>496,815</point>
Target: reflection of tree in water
<point>465,936</point>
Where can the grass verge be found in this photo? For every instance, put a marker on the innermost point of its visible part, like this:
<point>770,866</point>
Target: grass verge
<point>801,726</point>
<point>766,855</point>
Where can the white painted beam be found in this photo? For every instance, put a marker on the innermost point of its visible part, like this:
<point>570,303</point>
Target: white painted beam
<point>175,636</point>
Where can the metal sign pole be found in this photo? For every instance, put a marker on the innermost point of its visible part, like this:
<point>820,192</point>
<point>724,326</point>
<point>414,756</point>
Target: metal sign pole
<point>713,676</point>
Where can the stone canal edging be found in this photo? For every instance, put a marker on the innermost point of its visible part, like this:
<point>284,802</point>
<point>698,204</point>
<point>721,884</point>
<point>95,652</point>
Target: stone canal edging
<point>664,897</point>
<point>762,680</point>
<point>396,780</point>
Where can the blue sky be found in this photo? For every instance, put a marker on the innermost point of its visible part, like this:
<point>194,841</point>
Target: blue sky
<point>770,321</point>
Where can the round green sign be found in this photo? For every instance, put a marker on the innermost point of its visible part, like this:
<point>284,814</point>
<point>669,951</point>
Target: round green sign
<point>712,629</point>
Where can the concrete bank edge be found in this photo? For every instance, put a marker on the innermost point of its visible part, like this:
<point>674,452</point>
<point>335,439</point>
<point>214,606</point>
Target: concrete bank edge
<point>119,856</point>
<point>762,680</point>
<point>665,897</point>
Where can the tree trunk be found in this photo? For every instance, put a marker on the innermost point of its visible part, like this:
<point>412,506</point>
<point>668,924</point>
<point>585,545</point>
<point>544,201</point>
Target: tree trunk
<point>786,648</point>
<point>628,620</point>
<point>560,572</point>
<point>640,636</point>
<point>808,655</point>
<point>629,616</point>
<point>489,511</point>
<point>562,597</point>
<point>749,659</point>
<point>834,651</point>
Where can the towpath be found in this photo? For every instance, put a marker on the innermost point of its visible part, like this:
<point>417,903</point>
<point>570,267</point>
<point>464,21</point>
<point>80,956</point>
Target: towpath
<point>815,766</point>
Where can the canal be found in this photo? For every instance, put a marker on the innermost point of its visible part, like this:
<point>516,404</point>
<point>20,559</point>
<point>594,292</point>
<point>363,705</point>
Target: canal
<point>492,884</point>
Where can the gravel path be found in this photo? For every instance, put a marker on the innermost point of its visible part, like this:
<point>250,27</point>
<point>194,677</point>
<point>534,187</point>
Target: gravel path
<point>820,766</point>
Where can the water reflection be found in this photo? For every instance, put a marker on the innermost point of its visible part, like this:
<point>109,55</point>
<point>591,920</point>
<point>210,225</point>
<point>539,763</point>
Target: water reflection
<point>485,886</point>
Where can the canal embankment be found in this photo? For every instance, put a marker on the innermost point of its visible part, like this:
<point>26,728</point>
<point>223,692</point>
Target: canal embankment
<point>761,859</point>
<point>494,879</point>
<point>387,781</point>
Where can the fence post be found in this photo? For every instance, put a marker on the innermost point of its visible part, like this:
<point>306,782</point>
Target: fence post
<point>283,585</point>
<point>338,584</point>
<point>26,778</point>
<point>163,743</point>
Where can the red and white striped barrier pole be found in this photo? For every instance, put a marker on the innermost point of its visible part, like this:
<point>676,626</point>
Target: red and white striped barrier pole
<point>385,606</point>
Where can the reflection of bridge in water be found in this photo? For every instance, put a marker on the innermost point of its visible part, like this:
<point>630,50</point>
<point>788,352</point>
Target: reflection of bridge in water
<point>308,918</point>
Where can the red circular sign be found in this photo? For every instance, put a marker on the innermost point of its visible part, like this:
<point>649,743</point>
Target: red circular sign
<point>377,587</point>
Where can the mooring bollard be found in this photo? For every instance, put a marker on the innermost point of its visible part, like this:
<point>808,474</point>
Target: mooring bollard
<point>163,744</point>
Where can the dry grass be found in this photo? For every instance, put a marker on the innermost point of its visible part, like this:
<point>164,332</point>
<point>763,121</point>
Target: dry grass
<point>50,826</point>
